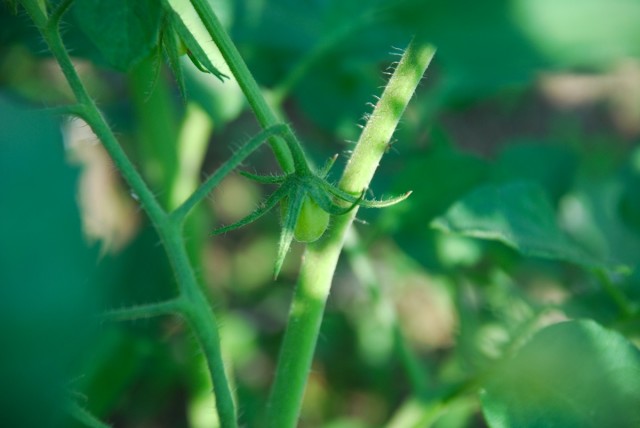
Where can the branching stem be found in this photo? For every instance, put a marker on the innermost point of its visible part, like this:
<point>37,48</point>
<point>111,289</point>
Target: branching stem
<point>196,308</point>
<point>238,157</point>
<point>283,150</point>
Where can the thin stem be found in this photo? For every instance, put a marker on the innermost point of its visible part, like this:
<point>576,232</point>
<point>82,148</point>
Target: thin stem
<point>326,45</point>
<point>232,163</point>
<point>89,111</point>
<point>617,296</point>
<point>321,257</point>
<point>264,113</point>
<point>83,416</point>
<point>56,15</point>
<point>196,309</point>
<point>385,310</point>
<point>149,310</point>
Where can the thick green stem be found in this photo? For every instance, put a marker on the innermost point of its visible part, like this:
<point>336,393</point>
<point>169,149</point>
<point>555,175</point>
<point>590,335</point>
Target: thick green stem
<point>321,257</point>
<point>264,113</point>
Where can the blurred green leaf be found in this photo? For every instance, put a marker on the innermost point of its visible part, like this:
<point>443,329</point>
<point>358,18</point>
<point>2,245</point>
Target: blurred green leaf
<point>552,166</point>
<point>335,96</point>
<point>124,31</point>
<point>450,174</point>
<point>593,33</point>
<point>592,219</point>
<point>48,294</point>
<point>519,215</point>
<point>572,374</point>
<point>480,44</point>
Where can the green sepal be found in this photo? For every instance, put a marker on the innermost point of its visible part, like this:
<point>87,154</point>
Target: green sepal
<point>327,166</point>
<point>265,207</point>
<point>324,201</point>
<point>194,49</point>
<point>290,217</point>
<point>171,42</point>
<point>366,203</point>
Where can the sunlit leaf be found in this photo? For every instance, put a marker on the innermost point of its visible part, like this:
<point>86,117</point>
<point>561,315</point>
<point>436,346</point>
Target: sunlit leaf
<point>581,32</point>
<point>517,214</point>
<point>124,31</point>
<point>572,374</point>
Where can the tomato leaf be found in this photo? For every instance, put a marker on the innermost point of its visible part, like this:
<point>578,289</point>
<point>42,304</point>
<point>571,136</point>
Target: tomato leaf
<point>124,31</point>
<point>572,374</point>
<point>519,215</point>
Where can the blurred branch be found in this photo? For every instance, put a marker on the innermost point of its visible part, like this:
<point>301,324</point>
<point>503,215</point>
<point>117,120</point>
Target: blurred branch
<point>83,416</point>
<point>319,52</point>
<point>617,296</point>
<point>364,271</point>
<point>168,307</point>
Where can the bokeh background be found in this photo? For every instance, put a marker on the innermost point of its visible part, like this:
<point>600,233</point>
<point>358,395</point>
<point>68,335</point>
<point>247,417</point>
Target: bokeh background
<point>520,147</point>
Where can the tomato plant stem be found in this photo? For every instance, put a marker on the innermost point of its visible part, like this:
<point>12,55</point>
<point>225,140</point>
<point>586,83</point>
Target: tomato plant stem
<point>264,113</point>
<point>238,157</point>
<point>198,313</point>
<point>321,257</point>
<point>196,308</point>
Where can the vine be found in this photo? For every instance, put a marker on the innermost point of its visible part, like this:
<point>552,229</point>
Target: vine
<point>298,186</point>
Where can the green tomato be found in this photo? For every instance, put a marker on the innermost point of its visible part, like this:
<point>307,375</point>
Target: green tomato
<point>312,220</point>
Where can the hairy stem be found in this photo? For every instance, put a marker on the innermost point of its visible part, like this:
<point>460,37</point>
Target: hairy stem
<point>264,113</point>
<point>83,416</point>
<point>148,310</point>
<point>321,257</point>
<point>89,112</point>
<point>238,157</point>
<point>196,309</point>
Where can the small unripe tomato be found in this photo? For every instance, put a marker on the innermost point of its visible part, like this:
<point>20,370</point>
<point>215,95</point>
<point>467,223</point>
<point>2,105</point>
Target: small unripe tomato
<point>312,220</point>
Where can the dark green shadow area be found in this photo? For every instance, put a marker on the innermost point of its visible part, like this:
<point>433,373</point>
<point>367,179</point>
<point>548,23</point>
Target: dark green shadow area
<point>47,295</point>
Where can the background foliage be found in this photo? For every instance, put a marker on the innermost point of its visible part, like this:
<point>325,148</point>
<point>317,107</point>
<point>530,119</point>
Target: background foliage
<point>503,293</point>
